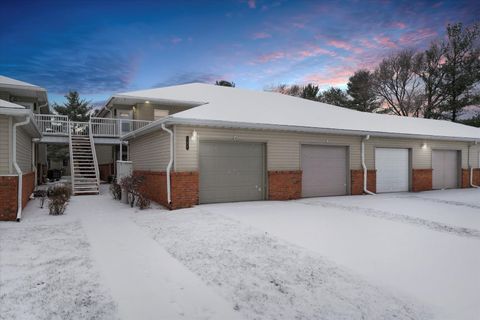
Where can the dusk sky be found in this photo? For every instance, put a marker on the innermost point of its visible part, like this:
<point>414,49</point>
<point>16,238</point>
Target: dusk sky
<point>99,48</point>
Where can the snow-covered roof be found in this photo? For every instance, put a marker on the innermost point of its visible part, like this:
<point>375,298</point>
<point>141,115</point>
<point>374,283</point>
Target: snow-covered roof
<point>7,104</point>
<point>234,107</point>
<point>20,88</point>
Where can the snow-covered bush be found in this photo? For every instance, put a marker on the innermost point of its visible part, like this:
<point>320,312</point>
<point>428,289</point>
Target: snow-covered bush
<point>116,190</point>
<point>58,196</point>
<point>132,185</point>
<point>143,202</point>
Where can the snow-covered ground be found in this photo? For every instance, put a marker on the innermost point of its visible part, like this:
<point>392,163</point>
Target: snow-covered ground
<point>402,256</point>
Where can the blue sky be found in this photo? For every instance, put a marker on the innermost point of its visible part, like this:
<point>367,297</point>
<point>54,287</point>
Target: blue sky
<point>99,48</point>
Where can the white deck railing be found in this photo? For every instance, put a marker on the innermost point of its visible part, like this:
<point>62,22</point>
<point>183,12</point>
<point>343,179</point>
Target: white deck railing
<point>50,124</point>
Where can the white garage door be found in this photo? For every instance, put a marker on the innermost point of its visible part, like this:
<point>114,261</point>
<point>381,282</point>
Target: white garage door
<point>445,169</point>
<point>392,169</point>
<point>324,170</point>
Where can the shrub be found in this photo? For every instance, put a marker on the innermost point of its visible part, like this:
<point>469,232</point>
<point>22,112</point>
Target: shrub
<point>58,196</point>
<point>132,184</point>
<point>143,202</point>
<point>57,206</point>
<point>116,190</point>
<point>42,195</point>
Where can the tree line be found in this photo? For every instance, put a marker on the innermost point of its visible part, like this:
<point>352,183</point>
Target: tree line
<point>437,83</point>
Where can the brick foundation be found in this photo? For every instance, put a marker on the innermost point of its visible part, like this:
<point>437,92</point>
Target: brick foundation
<point>421,180</point>
<point>8,194</point>
<point>105,170</point>
<point>476,177</point>
<point>284,185</point>
<point>465,178</point>
<point>184,188</point>
<point>356,186</point>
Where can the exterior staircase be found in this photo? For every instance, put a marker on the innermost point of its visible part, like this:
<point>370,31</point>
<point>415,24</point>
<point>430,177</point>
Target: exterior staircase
<point>84,165</point>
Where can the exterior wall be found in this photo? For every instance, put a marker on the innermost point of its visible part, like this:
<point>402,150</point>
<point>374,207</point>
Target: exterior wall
<point>476,177</point>
<point>8,194</point>
<point>356,184</point>
<point>283,148</point>
<point>150,152</point>
<point>421,179</point>
<point>8,198</point>
<point>184,188</point>
<point>24,150</point>
<point>284,185</point>
<point>5,145</point>
<point>421,158</point>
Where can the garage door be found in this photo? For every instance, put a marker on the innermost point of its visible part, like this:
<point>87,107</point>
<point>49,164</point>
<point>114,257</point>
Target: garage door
<point>324,170</point>
<point>392,169</point>
<point>445,169</point>
<point>231,171</point>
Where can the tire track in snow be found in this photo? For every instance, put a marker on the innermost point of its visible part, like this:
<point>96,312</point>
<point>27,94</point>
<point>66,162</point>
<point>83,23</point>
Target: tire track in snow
<point>449,202</point>
<point>433,225</point>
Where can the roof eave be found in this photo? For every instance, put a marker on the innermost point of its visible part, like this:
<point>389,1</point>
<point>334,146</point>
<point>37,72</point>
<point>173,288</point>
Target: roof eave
<point>172,120</point>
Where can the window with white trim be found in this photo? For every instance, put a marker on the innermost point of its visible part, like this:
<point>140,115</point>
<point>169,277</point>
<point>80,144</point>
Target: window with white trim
<point>159,114</point>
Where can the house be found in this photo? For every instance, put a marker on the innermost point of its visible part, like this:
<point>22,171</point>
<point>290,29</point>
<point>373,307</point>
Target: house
<point>220,144</point>
<point>17,158</point>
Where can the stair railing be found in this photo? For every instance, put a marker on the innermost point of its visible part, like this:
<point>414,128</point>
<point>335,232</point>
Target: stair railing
<point>72,165</point>
<point>94,153</point>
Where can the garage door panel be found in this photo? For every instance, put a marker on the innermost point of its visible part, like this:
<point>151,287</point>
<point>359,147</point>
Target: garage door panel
<point>445,167</point>
<point>393,169</point>
<point>324,170</point>
<point>231,171</point>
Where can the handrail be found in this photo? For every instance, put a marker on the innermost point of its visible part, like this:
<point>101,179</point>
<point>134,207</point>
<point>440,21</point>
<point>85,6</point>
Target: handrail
<point>94,153</point>
<point>72,165</point>
<point>51,124</point>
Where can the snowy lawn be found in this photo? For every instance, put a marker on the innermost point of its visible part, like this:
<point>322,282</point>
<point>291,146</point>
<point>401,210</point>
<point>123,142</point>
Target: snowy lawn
<point>402,256</point>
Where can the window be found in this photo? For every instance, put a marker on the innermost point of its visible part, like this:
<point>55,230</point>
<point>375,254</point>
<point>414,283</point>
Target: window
<point>159,114</point>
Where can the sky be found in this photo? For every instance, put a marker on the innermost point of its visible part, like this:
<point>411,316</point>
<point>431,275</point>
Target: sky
<point>104,47</point>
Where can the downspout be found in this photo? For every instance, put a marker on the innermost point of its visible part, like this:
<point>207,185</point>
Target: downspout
<point>170,163</point>
<point>471,167</point>
<point>17,167</point>
<point>364,166</point>
<point>34,165</point>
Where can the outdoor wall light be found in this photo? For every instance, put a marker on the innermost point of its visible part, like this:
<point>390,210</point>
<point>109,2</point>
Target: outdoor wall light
<point>424,146</point>
<point>147,101</point>
<point>194,135</point>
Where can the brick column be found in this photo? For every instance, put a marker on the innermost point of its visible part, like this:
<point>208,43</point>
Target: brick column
<point>28,185</point>
<point>284,185</point>
<point>476,177</point>
<point>421,179</point>
<point>356,185</point>
<point>8,198</point>
<point>465,178</point>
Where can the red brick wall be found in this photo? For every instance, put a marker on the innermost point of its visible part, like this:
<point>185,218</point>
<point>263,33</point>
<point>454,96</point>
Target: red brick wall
<point>184,188</point>
<point>28,185</point>
<point>105,171</point>
<point>476,177</point>
<point>8,198</point>
<point>356,186</point>
<point>465,178</point>
<point>284,185</point>
<point>8,194</point>
<point>421,180</point>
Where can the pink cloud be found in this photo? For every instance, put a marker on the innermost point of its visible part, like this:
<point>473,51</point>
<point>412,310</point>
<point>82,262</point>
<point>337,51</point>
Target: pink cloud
<point>314,51</point>
<point>385,41</point>
<point>414,37</point>
<point>344,45</point>
<point>252,4</point>
<point>261,35</point>
<point>335,76</point>
<point>399,25</point>
<point>367,44</point>
<point>271,56</point>
<point>311,51</point>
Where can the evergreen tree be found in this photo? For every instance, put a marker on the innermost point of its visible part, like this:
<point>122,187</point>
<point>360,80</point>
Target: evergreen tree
<point>335,96</point>
<point>361,89</point>
<point>310,92</point>
<point>75,108</point>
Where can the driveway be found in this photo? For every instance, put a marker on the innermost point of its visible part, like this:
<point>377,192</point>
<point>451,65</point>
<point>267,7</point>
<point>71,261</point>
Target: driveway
<point>402,256</point>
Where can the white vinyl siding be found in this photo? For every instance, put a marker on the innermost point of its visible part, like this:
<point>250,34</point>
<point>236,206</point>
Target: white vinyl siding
<point>283,148</point>
<point>150,152</point>
<point>421,157</point>
<point>4,145</point>
<point>24,151</point>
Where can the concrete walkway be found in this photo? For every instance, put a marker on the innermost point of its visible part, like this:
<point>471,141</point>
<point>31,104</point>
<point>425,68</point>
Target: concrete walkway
<point>145,281</point>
